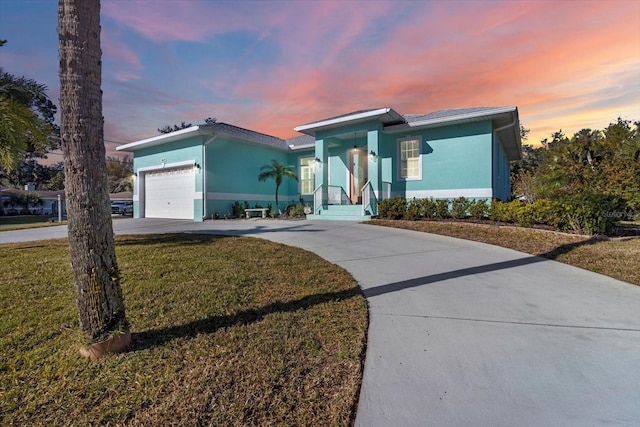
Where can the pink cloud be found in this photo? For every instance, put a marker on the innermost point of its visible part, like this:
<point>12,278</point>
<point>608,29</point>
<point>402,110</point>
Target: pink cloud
<point>118,58</point>
<point>182,20</point>
<point>556,61</point>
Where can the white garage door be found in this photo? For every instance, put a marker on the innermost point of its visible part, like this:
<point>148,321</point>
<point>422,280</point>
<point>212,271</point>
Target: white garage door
<point>169,193</point>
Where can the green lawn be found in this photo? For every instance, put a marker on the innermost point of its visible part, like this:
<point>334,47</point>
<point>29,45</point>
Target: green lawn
<point>21,222</point>
<point>225,331</point>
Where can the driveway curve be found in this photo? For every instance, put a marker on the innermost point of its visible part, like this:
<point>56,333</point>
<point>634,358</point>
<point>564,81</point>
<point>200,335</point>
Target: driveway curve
<point>463,333</point>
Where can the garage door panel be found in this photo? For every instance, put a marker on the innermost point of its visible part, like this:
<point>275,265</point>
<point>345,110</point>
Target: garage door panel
<point>169,194</point>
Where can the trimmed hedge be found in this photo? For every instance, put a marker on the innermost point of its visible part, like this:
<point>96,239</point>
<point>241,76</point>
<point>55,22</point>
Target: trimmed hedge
<point>582,213</point>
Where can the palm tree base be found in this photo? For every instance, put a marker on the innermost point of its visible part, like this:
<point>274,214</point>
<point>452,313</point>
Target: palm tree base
<point>115,344</point>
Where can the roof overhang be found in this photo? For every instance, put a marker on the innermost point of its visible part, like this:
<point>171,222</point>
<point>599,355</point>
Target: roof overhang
<point>165,138</point>
<point>387,116</point>
<point>505,121</point>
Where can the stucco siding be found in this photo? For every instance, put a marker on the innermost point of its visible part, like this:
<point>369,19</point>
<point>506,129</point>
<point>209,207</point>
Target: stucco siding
<point>501,171</point>
<point>454,160</point>
<point>232,175</point>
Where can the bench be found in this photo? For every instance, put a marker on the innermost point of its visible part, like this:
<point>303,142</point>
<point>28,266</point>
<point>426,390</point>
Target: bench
<point>248,212</point>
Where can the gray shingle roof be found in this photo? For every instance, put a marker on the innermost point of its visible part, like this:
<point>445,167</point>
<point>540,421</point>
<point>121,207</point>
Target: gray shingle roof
<point>246,134</point>
<point>441,114</point>
<point>301,140</point>
<point>43,194</point>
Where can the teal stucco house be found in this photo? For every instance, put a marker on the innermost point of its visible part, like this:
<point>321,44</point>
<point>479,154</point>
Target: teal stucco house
<point>345,164</point>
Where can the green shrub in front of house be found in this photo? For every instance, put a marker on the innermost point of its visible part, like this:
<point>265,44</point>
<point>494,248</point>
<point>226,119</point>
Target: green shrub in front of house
<point>460,208</point>
<point>478,209</point>
<point>442,209</point>
<point>392,208</point>
<point>591,213</point>
<point>584,213</point>
<point>413,210</point>
<point>237,210</point>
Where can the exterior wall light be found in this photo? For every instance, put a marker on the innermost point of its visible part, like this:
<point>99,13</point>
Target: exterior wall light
<point>373,155</point>
<point>318,161</point>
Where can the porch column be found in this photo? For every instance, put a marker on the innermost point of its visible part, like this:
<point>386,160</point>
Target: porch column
<point>373,137</point>
<point>322,169</point>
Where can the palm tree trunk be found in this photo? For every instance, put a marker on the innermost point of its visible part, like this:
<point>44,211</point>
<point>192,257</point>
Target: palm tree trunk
<point>92,247</point>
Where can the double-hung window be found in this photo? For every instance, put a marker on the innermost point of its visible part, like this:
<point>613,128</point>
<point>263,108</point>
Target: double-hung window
<point>307,175</point>
<point>409,166</point>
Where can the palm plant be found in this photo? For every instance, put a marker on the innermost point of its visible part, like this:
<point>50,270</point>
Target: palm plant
<point>277,171</point>
<point>19,124</point>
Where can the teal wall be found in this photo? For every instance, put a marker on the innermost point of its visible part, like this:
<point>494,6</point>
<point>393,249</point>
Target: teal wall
<point>453,158</point>
<point>232,175</point>
<point>501,172</point>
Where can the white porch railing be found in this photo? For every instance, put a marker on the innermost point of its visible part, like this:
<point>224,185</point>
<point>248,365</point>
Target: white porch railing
<point>317,200</point>
<point>337,196</point>
<point>369,200</point>
<point>385,191</point>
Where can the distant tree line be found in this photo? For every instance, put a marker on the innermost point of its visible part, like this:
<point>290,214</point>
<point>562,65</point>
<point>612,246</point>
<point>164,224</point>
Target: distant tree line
<point>591,162</point>
<point>184,125</point>
<point>51,177</point>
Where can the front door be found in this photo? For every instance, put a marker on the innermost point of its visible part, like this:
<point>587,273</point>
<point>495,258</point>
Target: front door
<point>357,174</point>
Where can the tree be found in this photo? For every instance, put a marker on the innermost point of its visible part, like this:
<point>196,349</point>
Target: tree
<point>120,172</point>
<point>26,118</point>
<point>56,182</point>
<point>28,201</point>
<point>20,127</point>
<point>95,270</point>
<point>590,163</point>
<point>169,129</point>
<point>30,171</point>
<point>277,171</point>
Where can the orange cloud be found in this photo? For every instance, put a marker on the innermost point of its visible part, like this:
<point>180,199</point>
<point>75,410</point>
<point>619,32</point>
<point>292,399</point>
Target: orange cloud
<point>564,64</point>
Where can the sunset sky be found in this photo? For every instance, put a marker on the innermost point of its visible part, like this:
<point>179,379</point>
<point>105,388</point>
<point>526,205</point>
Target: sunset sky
<point>272,65</point>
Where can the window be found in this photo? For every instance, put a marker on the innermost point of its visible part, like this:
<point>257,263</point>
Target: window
<point>409,158</point>
<point>307,175</point>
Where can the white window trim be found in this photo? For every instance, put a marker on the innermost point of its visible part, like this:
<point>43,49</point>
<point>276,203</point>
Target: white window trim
<point>399,158</point>
<point>313,180</point>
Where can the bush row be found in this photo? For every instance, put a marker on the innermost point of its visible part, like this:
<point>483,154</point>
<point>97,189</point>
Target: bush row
<point>583,213</point>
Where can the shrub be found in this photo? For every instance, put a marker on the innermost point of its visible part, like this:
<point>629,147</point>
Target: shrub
<point>413,210</point>
<point>479,209</point>
<point>591,213</point>
<point>547,212</point>
<point>459,208</point>
<point>442,208</point>
<point>237,209</point>
<point>392,208</point>
<point>504,211</point>
<point>428,208</point>
<point>584,213</point>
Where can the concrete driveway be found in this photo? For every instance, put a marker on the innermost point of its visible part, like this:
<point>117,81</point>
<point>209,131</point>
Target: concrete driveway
<point>466,334</point>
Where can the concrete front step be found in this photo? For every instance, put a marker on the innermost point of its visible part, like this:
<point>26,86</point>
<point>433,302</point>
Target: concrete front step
<point>341,212</point>
<point>325,217</point>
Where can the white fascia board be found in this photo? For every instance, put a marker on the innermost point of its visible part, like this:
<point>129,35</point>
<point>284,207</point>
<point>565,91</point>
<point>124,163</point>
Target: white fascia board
<point>451,119</point>
<point>343,119</point>
<point>160,139</point>
<point>161,166</point>
<point>302,147</point>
